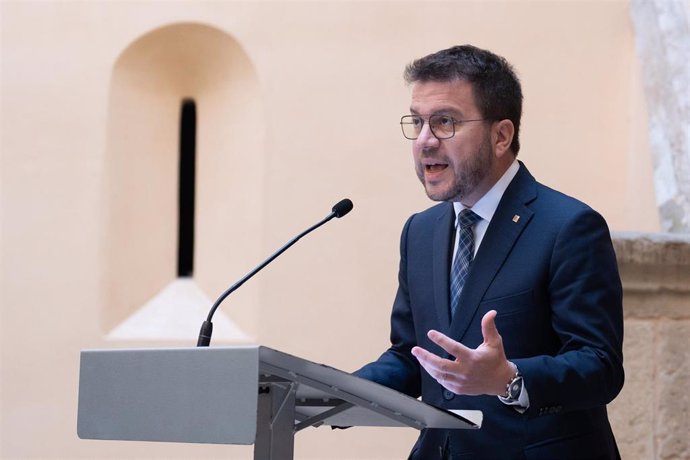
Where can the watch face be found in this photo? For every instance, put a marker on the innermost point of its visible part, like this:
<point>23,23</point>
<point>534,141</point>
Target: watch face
<point>515,388</point>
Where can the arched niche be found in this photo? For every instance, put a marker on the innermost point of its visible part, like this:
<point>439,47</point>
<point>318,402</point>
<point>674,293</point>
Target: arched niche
<point>143,297</point>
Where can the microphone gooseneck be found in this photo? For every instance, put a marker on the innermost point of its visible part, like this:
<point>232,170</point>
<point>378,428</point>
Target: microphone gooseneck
<point>339,210</point>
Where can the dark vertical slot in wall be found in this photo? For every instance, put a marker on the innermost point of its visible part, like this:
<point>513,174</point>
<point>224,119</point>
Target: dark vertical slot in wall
<point>185,248</point>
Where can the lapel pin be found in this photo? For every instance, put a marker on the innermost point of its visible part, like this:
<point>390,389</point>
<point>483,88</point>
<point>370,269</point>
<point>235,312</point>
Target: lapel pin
<point>516,218</point>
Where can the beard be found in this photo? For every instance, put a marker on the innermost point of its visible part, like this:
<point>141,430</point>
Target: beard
<point>467,176</point>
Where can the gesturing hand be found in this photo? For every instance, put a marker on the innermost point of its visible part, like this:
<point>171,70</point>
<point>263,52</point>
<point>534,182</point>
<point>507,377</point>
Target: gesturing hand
<point>484,370</point>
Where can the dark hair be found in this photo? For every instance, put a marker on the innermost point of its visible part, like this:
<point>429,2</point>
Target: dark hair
<point>495,85</point>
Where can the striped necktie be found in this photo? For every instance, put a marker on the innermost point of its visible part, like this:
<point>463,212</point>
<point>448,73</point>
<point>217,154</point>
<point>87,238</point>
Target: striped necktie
<point>463,256</point>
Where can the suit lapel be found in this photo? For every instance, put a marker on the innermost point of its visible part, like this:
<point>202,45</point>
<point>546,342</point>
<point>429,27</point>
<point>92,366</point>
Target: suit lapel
<point>499,239</point>
<point>443,238</point>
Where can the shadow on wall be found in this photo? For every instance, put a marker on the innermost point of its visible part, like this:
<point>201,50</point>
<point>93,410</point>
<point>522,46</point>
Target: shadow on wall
<point>143,296</point>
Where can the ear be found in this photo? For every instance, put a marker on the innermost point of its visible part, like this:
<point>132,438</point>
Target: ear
<point>502,136</point>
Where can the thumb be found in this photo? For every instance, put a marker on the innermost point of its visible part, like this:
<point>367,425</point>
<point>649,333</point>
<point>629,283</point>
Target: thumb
<point>489,330</point>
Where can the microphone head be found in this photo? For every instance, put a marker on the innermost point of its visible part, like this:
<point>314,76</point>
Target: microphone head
<point>342,207</point>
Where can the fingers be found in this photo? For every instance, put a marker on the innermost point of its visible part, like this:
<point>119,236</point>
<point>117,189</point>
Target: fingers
<point>489,330</point>
<point>435,365</point>
<point>452,347</point>
<point>489,333</point>
<point>438,368</point>
<point>472,371</point>
<point>447,372</point>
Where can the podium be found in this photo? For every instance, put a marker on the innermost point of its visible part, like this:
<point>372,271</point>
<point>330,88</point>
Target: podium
<point>236,395</point>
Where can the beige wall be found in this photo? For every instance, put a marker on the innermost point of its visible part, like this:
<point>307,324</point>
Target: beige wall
<point>327,94</point>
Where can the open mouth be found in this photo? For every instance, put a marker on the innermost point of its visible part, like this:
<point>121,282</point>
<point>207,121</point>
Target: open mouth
<point>435,167</point>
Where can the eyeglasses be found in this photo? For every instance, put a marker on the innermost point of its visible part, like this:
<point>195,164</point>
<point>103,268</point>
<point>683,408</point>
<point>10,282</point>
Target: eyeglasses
<point>441,126</point>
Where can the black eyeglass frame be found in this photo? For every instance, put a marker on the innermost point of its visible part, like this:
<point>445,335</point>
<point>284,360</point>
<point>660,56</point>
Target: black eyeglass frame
<point>453,120</point>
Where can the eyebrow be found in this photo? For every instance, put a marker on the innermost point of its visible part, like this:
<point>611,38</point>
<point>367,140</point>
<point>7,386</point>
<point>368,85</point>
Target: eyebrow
<point>448,111</point>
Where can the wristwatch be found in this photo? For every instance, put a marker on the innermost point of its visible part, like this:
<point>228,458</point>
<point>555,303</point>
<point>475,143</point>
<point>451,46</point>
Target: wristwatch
<point>514,387</point>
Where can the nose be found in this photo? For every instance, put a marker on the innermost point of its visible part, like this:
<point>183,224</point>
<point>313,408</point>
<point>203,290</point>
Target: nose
<point>426,139</point>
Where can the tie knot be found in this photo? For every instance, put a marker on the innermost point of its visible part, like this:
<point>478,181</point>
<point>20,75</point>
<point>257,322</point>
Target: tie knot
<point>467,218</point>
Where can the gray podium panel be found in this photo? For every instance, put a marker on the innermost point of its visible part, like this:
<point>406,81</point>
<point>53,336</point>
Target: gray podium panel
<point>201,395</point>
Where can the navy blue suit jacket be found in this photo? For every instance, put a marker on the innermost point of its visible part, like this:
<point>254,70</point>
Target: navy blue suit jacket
<point>551,275</point>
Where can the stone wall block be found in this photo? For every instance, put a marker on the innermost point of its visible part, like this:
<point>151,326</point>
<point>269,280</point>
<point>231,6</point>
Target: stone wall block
<point>651,416</point>
<point>630,411</point>
<point>673,399</point>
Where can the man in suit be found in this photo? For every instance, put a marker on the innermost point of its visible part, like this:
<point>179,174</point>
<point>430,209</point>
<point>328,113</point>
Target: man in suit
<point>509,298</point>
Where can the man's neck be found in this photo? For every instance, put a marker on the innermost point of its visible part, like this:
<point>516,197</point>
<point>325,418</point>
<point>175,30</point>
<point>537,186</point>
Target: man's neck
<point>500,168</point>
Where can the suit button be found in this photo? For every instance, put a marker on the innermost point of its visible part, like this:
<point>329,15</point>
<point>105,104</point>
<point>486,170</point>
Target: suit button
<point>448,395</point>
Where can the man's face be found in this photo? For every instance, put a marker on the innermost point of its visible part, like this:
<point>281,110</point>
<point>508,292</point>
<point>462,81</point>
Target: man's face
<point>461,168</point>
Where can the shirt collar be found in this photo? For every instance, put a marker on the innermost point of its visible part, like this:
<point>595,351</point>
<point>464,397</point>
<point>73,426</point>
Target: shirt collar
<point>486,206</point>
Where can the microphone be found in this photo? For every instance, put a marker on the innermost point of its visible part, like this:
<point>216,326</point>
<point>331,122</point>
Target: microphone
<point>340,209</point>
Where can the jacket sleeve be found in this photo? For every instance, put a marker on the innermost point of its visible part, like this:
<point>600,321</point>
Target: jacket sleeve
<point>585,295</point>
